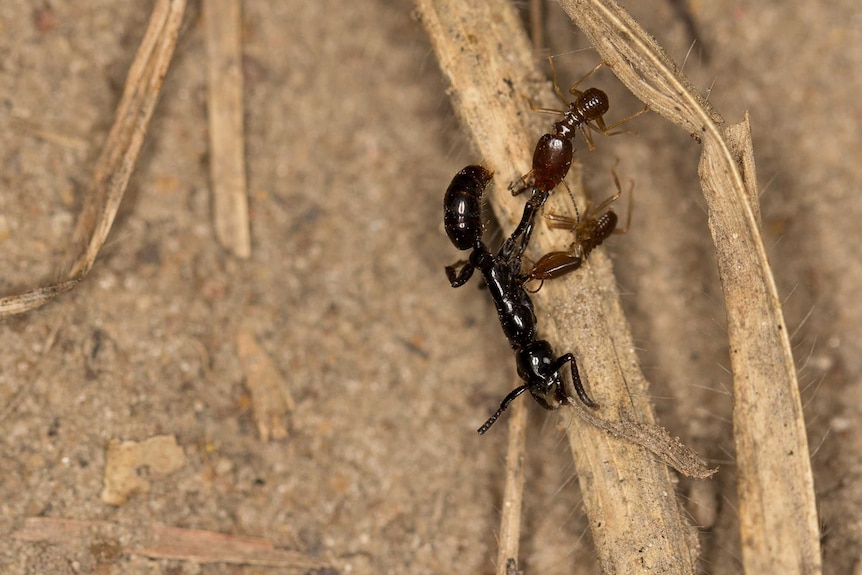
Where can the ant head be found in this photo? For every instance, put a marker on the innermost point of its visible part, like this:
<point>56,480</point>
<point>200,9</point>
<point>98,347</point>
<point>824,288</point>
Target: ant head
<point>542,397</point>
<point>535,366</point>
<point>595,102</point>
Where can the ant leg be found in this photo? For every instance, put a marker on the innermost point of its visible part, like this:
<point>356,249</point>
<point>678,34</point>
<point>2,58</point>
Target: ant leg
<point>599,124</point>
<point>456,278</point>
<point>568,223</point>
<point>573,89</point>
<point>576,380</point>
<point>608,201</point>
<point>559,222</point>
<point>588,137</point>
<point>521,185</point>
<point>506,401</point>
<point>534,108</point>
<point>557,90</point>
<point>631,202</point>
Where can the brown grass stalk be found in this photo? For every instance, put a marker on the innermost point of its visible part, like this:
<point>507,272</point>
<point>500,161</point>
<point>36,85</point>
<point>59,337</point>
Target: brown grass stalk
<point>777,511</point>
<point>118,158</point>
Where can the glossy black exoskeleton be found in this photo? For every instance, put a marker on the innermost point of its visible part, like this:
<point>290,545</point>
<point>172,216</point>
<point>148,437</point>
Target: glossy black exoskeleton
<point>537,364</point>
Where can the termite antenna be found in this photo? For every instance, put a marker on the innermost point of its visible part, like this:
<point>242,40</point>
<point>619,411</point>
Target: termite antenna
<point>574,203</point>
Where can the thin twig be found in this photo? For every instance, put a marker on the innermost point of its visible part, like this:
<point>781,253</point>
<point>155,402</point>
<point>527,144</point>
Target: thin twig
<point>225,108</point>
<point>654,438</point>
<point>510,521</point>
<point>166,542</point>
<point>118,158</point>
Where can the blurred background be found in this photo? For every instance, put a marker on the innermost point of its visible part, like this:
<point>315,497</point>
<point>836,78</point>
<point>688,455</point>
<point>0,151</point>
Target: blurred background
<point>351,142</point>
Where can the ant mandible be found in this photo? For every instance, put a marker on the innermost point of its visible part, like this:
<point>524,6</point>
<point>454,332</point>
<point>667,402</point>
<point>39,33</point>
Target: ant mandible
<point>555,151</point>
<point>535,359</point>
<point>596,225</point>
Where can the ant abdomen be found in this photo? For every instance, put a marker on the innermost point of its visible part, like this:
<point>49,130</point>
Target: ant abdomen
<point>462,206</point>
<point>552,160</point>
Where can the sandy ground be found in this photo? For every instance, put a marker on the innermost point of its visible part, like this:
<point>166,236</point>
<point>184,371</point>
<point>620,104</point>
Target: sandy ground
<point>351,142</point>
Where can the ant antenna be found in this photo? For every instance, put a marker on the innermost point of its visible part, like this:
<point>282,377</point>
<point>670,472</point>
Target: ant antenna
<point>505,403</point>
<point>528,290</point>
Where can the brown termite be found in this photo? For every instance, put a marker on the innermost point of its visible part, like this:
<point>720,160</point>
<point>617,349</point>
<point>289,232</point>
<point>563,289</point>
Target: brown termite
<point>554,152</point>
<point>595,226</point>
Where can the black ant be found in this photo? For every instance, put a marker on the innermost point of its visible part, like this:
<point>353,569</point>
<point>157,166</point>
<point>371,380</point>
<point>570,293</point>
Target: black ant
<point>555,151</point>
<point>536,362</point>
<point>596,225</point>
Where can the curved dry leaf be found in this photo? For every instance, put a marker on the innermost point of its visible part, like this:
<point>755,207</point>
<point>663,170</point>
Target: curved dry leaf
<point>656,439</point>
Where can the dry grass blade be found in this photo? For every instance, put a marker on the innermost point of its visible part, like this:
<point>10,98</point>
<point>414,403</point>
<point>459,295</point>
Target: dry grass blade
<point>510,521</point>
<point>657,440</point>
<point>777,507</point>
<point>209,547</point>
<point>641,64</point>
<point>166,542</point>
<point>20,303</point>
<point>225,108</point>
<point>635,520</point>
<point>119,155</point>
